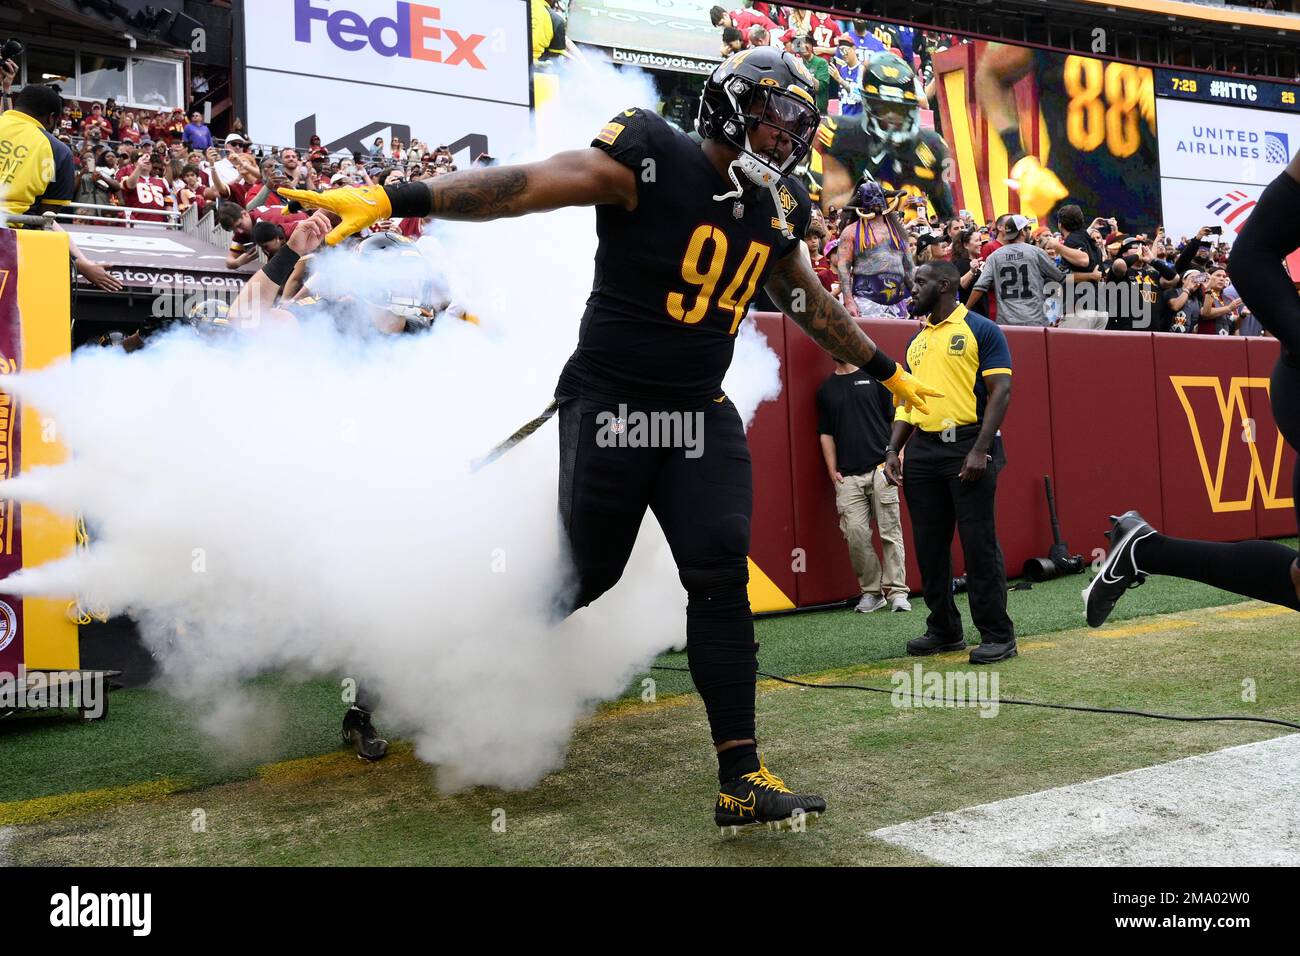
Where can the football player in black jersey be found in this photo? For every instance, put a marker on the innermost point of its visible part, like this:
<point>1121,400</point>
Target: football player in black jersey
<point>688,234</point>
<point>885,143</point>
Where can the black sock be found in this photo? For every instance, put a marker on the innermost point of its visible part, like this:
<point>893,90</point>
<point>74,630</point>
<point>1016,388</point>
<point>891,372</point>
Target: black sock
<point>1256,569</point>
<point>737,761</point>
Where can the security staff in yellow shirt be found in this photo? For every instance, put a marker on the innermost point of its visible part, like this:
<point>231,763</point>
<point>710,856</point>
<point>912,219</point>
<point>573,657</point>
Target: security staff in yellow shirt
<point>954,454</point>
<point>36,171</point>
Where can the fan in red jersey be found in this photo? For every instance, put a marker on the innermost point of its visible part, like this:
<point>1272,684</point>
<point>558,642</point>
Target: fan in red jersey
<point>146,187</point>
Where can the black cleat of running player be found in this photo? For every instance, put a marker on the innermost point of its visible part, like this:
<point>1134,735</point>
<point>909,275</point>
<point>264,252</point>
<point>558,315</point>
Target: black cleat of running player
<point>760,799</point>
<point>1119,571</point>
<point>360,734</point>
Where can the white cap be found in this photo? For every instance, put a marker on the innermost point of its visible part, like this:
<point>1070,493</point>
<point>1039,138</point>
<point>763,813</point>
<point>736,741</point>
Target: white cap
<point>1018,222</point>
<point>235,138</point>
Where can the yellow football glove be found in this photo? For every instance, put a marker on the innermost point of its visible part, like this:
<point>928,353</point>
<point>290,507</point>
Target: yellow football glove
<point>1040,188</point>
<point>357,206</point>
<point>909,391</point>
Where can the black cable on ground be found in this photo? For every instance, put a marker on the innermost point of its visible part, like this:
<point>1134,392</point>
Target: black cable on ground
<point>1021,703</point>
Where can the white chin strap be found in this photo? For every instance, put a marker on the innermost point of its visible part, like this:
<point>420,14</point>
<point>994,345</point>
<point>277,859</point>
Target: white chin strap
<point>760,174</point>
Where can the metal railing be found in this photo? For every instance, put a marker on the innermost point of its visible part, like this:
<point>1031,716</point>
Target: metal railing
<point>205,228</point>
<point>122,215</point>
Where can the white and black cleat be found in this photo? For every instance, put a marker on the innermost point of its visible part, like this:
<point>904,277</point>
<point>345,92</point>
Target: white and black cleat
<point>1119,571</point>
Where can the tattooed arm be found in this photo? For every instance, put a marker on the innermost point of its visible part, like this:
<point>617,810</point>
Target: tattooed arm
<point>844,268</point>
<point>909,267</point>
<point>578,177</point>
<point>797,292</point>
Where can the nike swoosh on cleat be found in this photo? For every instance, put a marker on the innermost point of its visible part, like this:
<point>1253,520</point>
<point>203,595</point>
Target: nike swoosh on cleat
<point>1113,558</point>
<point>730,803</point>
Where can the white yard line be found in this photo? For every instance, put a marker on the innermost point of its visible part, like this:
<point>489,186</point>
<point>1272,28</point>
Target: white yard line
<point>1234,807</point>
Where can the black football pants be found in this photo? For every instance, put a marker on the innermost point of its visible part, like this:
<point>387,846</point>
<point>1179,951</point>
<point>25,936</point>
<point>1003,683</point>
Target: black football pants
<point>703,503</point>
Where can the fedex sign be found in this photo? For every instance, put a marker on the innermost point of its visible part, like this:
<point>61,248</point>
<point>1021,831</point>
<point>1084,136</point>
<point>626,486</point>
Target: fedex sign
<point>412,33</point>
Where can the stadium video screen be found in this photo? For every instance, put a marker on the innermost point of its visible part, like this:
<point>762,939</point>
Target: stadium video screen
<point>1000,128</point>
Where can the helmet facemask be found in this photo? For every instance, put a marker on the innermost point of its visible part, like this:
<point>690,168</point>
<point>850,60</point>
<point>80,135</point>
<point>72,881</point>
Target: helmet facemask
<point>756,106</point>
<point>396,278</point>
<point>903,124</point>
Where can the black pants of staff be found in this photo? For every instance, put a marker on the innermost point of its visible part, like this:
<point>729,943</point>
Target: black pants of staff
<point>939,502</point>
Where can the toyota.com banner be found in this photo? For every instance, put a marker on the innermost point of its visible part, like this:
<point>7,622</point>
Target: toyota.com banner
<point>351,71</point>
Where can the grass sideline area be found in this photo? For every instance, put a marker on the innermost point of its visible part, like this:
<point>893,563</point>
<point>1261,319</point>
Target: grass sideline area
<point>638,786</point>
<point>59,776</point>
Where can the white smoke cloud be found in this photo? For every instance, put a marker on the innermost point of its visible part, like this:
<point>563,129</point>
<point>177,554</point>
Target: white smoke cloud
<point>299,500</point>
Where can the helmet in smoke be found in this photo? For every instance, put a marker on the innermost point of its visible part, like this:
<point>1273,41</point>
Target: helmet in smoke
<point>398,278</point>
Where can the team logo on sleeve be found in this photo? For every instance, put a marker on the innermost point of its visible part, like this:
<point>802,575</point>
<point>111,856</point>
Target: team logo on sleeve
<point>610,133</point>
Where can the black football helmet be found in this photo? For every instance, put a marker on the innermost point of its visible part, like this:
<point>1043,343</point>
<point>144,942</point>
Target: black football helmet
<point>890,112</point>
<point>760,87</point>
<point>209,316</point>
<point>398,279</point>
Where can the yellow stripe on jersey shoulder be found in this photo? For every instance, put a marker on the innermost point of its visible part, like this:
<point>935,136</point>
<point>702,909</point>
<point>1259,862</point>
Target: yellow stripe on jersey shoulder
<point>610,133</point>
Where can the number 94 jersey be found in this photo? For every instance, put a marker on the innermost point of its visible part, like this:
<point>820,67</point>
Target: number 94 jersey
<point>675,276</point>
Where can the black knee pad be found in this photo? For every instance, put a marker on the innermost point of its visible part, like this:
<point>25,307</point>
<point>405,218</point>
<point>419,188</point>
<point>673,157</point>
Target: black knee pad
<point>715,576</point>
<point>716,591</point>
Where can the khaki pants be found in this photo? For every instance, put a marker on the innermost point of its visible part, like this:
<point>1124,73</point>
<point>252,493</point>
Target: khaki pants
<point>859,498</point>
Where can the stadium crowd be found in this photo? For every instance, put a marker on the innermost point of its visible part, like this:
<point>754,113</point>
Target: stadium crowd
<point>1130,282</point>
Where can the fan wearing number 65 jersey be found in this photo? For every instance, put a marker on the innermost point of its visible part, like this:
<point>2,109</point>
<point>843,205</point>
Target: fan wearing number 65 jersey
<point>145,186</point>
<point>688,234</point>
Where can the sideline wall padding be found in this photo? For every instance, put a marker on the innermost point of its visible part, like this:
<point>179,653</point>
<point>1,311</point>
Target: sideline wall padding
<point>769,445</point>
<point>1273,507</point>
<point>1025,529</point>
<point>1114,418</point>
<point>1105,455</point>
<point>1204,463</point>
<point>49,635</point>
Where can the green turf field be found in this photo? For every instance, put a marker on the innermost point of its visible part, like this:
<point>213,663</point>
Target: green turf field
<point>638,785</point>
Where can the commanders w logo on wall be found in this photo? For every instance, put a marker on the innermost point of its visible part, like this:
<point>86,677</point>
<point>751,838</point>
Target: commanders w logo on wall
<point>1223,439</point>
